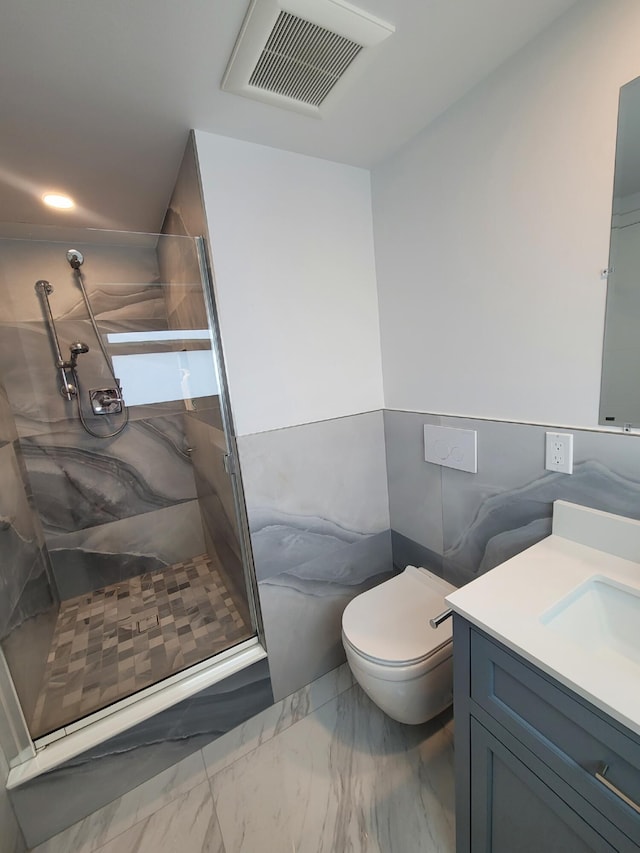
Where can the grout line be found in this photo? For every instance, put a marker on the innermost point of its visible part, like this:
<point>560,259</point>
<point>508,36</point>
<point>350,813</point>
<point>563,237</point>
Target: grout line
<point>110,838</point>
<point>276,734</point>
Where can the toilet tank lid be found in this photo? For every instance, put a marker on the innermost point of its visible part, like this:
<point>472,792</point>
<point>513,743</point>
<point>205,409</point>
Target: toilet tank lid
<point>391,621</point>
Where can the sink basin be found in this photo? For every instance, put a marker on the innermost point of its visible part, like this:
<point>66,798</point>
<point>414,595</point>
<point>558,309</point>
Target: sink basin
<point>602,616</point>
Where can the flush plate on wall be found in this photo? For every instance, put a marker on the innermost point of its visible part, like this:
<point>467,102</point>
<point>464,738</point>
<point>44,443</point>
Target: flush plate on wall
<point>453,448</point>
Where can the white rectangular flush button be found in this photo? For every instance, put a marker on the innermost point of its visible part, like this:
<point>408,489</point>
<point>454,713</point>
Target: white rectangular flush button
<point>454,448</point>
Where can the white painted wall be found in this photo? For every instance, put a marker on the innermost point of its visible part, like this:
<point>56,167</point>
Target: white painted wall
<point>292,245</point>
<point>491,228</point>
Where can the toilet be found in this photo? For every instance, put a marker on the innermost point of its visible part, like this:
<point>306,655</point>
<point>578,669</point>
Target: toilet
<point>403,664</point>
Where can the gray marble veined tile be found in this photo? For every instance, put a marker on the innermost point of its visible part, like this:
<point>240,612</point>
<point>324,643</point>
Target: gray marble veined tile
<point>282,541</point>
<point>407,552</point>
<point>344,778</point>
<point>33,383</point>
<point>302,609</point>
<point>180,270</point>
<point>209,447</point>
<point>257,730</point>
<point>415,486</point>
<point>333,470</point>
<point>121,280</point>
<point>188,824</point>
<point>19,546</point>
<point>108,553</point>
<point>79,481</point>
<point>112,820</point>
<point>216,498</point>
<point>56,800</point>
<point>8,431</point>
<point>27,646</point>
<point>506,507</point>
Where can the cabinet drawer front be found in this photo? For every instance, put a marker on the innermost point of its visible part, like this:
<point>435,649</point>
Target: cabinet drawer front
<point>561,729</point>
<point>513,809</point>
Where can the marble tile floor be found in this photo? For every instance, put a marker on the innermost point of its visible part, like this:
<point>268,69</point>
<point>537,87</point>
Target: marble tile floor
<point>308,775</point>
<point>117,640</point>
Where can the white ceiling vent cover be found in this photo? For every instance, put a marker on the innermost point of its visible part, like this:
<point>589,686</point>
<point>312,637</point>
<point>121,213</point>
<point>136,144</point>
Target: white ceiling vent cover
<point>291,53</point>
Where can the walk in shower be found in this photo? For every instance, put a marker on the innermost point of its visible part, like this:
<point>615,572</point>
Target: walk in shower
<point>121,510</point>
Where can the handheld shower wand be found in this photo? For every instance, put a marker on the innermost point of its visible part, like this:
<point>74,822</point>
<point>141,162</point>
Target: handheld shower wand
<point>103,401</point>
<point>67,389</point>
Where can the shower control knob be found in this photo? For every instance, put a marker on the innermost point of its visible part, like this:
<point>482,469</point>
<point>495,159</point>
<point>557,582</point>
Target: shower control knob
<point>68,391</point>
<point>75,258</point>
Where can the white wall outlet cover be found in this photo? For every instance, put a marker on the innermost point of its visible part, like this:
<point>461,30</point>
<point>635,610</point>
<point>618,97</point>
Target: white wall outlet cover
<point>559,452</point>
<point>453,448</point>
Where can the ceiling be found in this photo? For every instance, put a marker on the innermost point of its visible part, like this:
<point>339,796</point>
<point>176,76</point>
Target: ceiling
<point>97,98</point>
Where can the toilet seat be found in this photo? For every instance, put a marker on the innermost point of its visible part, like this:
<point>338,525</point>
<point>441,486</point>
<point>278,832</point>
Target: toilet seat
<point>389,624</point>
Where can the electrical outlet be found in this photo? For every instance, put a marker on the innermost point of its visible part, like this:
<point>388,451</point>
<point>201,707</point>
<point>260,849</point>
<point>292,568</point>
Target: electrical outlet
<point>559,452</point>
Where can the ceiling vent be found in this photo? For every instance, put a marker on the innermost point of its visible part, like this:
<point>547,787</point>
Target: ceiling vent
<point>292,53</point>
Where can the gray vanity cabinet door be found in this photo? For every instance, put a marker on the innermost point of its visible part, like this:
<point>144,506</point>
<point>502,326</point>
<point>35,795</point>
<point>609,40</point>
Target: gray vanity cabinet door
<point>514,811</point>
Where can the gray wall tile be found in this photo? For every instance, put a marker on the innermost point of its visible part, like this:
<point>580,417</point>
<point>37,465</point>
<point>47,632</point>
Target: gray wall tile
<point>79,481</point>
<point>319,517</point>
<point>109,553</point>
<point>490,516</point>
<point>56,800</point>
<point>415,490</point>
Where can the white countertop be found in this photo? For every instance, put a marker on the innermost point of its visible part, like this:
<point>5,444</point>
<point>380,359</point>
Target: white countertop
<point>509,601</point>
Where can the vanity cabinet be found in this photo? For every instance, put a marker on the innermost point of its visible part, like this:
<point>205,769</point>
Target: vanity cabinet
<point>538,769</point>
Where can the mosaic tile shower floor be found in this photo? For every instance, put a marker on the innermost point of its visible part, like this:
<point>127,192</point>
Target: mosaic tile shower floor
<point>117,640</point>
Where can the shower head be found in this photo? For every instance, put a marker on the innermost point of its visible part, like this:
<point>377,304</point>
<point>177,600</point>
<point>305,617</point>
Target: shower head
<point>78,348</point>
<point>75,258</point>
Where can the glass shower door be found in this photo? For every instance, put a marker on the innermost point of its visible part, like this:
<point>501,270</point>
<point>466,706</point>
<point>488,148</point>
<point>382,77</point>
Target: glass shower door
<point>121,449</point>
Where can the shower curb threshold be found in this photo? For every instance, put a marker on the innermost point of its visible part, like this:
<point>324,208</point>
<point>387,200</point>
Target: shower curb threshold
<point>73,740</point>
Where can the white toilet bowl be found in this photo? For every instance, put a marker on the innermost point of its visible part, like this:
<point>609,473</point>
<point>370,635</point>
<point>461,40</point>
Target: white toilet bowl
<point>403,664</point>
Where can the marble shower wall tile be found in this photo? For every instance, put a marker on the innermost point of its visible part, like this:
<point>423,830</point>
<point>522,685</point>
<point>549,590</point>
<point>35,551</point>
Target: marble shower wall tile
<point>19,547</point>
<point>209,447</point>
<point>121,280</point>
<point>319,519</point>
<point>33,383</point>
<point>215,496</point>
<point>415,492</point>
<point>186,309</point>
<point>55,801</point>
<point>185,216</point>
<point>79,481</point>
<point>28,643</point>
<point>97,556</point>
<point>179,268</point>
<point>28,602</point>
<point>7,424</point>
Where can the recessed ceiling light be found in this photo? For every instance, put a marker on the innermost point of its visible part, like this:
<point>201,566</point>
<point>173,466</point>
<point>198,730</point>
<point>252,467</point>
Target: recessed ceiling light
<point>60,202</point>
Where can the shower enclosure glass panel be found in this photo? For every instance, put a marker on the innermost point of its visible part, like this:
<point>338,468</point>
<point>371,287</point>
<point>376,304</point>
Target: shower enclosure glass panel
<point>121,530</point>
